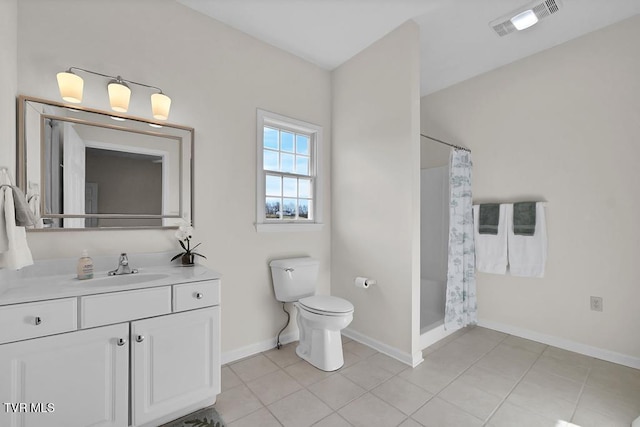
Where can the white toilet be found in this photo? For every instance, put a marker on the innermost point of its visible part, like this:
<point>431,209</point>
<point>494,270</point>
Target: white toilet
<point>320,317</point>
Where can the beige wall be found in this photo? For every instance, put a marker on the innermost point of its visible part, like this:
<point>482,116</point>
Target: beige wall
<point>8,83</point>
<point>561,126</point>
<point>433,154</point>
<point>375,171</point>
<point>216,77</point>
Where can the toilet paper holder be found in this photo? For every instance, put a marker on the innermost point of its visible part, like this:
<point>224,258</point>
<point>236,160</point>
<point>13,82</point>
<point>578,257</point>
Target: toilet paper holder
<point>363,282</point>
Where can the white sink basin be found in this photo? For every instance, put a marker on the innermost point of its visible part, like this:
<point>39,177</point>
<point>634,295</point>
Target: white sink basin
<point>128,279</point>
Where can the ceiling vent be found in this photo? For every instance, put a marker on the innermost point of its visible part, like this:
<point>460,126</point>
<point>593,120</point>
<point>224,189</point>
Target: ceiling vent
<point>541,9</point>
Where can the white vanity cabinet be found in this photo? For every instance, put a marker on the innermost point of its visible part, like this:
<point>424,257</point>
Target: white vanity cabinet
<point>96,360</point>
<point>73,379</point>
<point>174,363</point>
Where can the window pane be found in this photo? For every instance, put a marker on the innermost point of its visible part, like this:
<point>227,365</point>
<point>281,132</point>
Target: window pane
<point>290,188</point>
<point>270,138</point>
<point>289,209</point>
<point>272,208</point>
<point>304,188</point>
<point>273,185</point>
<point>302,144</point>
<point>271,160</point>
<point>287,141</point>
<point>302,165</point>
<point>303,208</point>
<point>287,162</point>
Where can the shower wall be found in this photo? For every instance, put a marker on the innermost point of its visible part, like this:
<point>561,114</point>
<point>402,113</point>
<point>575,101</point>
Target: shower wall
<point>434,240</point>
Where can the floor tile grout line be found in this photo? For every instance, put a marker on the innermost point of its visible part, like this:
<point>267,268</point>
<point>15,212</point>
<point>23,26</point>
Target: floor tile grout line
<point>455,378</point>
<point>265,406</point>
<point>584,385</point>
<point>514,387</point>
<point>394,374</point>
<point>244,383</point>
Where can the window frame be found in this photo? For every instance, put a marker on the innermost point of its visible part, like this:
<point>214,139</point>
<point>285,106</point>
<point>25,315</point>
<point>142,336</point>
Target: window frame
<point>278,121</point>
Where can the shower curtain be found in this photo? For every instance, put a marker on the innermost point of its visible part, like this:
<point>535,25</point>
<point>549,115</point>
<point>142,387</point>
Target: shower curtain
<point>461,306</point>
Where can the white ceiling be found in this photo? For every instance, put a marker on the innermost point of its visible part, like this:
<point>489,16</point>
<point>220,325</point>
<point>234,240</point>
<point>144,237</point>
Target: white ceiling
<point>456,40</point>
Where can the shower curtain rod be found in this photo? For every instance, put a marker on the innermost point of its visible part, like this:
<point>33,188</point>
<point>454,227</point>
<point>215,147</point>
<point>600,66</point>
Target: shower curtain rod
<point>457,147</point>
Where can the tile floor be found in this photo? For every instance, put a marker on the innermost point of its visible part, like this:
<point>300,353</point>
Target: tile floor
<point>475,377</point>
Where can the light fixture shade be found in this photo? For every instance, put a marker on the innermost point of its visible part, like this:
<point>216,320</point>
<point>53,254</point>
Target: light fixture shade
<point>524,20</point>
<point>160,105</point>
<point>119,95</point>
<point>70,86</point>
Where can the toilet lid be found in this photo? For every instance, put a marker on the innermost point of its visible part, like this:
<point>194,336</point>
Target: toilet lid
<point>327,304</point>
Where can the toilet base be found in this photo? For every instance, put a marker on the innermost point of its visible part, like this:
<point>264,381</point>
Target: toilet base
<point>324,351</point>
<point>320,338</point>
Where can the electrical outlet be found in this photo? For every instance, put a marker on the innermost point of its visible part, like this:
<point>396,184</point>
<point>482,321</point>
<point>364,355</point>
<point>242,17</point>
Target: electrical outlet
<point>596,303</point>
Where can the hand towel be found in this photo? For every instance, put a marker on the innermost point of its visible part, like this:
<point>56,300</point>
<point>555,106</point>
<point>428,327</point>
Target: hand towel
<point>491,249</point>
<point>14,251</point>
<point>23,214</point>
<point>34,205</point>
<point>524,218</point>
<point>489,218</point>
<point>4,239</point>
<point>528,254</point>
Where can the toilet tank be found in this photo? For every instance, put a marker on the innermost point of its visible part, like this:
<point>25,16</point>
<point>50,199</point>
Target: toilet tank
<point>294,278</point>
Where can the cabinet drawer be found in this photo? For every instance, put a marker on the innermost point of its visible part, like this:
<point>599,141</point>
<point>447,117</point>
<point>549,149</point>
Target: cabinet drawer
<point>115,307</point>
<point>37,319</point>
<point>190,296</point>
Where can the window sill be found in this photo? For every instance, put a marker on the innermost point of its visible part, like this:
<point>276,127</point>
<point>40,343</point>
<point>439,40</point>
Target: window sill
<point>287,226</point>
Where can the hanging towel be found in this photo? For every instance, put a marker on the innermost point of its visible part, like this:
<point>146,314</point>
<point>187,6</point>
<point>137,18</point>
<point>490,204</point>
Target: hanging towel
<point>524,218</point>
<point>23,215</point>
<point>489,218</point>
<point>491,249</point>
<point>34,205</point>
<point>528,254</point>
<point>14,251</point>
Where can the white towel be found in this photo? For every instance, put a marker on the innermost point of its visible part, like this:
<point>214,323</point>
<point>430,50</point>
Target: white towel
<point>528,254</point>
<point>14,251</point>
<point>34,204</point>
<point>491,249</point>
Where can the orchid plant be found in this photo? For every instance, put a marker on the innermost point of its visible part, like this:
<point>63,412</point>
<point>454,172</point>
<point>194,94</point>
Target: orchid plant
<point>184,235</point>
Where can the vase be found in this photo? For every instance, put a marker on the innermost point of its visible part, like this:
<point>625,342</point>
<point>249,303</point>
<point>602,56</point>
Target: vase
<point>187,259</point>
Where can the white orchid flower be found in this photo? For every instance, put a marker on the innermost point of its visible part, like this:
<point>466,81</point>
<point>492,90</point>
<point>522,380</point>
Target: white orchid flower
<point>184,232</point>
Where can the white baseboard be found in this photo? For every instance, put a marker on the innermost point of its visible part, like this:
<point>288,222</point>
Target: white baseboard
<point>412,360</point>
<point>598,353</point>
<point>434,335</point>
<point>250,350</point>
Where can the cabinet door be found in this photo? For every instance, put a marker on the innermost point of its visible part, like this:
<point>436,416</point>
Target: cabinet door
<point>73,379</point>
<point>175,363</point>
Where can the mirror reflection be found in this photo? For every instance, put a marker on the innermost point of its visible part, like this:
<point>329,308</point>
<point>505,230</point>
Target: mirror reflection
<point>83,168</point>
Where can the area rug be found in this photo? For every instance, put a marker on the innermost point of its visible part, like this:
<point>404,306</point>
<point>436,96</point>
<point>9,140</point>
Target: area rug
<point>206,417</point>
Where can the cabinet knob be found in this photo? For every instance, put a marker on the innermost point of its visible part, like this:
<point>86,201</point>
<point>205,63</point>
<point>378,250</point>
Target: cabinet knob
<point>38,320</point>
<point>199,295</point>
<point>121,341</point>
<point>140,338</point>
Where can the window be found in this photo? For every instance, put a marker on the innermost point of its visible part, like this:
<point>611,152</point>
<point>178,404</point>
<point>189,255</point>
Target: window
<point>289,193</point>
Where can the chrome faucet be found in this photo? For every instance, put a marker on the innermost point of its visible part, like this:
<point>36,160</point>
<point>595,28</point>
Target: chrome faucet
<point>123,266</point>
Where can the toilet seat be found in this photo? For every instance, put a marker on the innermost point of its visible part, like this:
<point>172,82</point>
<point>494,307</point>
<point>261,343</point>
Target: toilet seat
<point>326,305</point>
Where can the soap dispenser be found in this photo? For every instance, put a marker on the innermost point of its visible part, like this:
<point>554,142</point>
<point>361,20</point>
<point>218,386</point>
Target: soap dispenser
<point>85,266</point>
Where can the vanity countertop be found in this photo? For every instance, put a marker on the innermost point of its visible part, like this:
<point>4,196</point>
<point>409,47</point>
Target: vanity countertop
<point>52,279</point>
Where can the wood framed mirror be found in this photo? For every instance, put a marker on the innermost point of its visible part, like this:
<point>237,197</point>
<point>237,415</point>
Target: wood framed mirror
<point>89,169</point>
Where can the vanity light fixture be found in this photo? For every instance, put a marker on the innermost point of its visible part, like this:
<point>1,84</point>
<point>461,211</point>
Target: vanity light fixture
<point>71,87</point>
<point>119,95</point>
